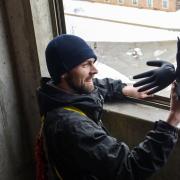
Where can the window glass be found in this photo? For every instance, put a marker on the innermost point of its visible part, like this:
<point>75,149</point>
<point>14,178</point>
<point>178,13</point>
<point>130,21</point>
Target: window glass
<point>150,3</point>
<point>124,37</point>
<point>106,0</point>
<point>135,2</point>
<point>120,1</point>
<point>165,4</point>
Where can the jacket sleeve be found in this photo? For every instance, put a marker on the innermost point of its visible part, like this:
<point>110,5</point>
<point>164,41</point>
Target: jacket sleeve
<point>109,88</point>
<point>89,148</point>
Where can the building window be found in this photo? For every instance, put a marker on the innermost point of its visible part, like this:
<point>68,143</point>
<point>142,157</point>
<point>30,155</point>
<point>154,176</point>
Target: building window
<point>120,1</point>
<point>122,49</point>
<point>165,4</point>
<point>150,3</point>
<point>135,2</point>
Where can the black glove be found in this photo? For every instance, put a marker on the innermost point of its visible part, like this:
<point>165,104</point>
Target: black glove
<point>157,79</point>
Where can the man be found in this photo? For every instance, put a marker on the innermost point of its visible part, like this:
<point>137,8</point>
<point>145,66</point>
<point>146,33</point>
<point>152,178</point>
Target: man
<point>79,147</point>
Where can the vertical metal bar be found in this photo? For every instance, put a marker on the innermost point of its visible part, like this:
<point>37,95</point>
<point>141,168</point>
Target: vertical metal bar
<point>60,16</point>
<point>53,17</point>
<point>57,16</point>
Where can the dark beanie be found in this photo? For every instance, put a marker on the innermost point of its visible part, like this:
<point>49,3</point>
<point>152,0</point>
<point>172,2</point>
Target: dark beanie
<point>64,53</point>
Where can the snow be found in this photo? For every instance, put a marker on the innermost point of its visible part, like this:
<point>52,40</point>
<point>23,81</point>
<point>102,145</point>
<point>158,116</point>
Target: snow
<point>114,23</point>
<point>124,14</point>
<point>105,71</point>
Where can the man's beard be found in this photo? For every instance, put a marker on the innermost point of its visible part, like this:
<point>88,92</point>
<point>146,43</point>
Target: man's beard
<point>79,89</point>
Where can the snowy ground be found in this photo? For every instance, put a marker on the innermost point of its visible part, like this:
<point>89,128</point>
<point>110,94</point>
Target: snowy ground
<point>95,30</point>
<point>104,30</point>
<point>122,13</point>
<point>105,71</point>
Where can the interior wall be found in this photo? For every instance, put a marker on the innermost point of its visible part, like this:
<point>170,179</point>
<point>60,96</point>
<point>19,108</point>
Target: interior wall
<point>10,118</point>
<point>25,29</point>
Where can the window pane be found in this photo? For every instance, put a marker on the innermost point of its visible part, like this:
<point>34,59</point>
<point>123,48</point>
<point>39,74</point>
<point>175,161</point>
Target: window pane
<point>149,3</point>
<point>120,1</point>
<point>135,2</point>
<point>165,3</point>
<point>124,38</point>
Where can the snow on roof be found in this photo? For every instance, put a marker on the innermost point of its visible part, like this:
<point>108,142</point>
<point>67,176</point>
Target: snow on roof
<point>105,71</point>
<point>125,14</point>
<point>102,29</point>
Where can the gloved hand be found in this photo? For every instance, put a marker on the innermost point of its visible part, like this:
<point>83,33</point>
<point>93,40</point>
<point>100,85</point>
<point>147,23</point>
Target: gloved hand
<point>157,79</point>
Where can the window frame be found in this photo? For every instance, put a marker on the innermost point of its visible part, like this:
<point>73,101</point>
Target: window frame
<point>59,27</point>
<point>122,1</point>
<point>149,5</point>
<point>107,1</point>
<point>136,4</point>
<point>57,17</point>
<point>167,2</point>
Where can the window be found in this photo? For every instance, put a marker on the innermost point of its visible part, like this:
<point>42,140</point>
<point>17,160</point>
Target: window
<point>124,38</point>
<point>165,4</point>
<point>135,2</point>
<point>150,3</point>
<point>120,1</point>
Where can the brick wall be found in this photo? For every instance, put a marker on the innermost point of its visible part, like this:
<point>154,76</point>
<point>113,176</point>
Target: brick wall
<point>173,5</point>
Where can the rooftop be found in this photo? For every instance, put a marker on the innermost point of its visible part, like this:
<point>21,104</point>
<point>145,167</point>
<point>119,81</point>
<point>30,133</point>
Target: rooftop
<point>105,22</point>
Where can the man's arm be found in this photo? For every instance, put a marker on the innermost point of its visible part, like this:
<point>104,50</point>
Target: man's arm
<point>131,91</point>
<point>116,89</point>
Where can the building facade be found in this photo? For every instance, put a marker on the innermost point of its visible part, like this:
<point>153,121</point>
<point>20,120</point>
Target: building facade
<point>163,5</point>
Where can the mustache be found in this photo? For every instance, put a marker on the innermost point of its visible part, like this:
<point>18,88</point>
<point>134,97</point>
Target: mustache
<point>90,77</point>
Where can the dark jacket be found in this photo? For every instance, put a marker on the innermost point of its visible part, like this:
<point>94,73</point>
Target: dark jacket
<point>80,147</point>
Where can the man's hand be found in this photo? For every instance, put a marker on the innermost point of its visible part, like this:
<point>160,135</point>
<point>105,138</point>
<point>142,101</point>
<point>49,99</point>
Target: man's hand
<point>174,115</point>
<point>133,92</point>
<point>157,79</point>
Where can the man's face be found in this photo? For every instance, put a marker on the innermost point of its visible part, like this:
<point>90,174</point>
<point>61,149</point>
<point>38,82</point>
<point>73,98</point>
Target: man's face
<point>79,79</point>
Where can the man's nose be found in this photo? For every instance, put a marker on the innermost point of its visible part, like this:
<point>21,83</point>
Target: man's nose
<point>94,69</point>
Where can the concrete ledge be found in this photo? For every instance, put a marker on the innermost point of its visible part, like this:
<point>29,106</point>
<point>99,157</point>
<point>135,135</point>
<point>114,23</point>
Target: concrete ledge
<point>129,122</point>
<point>137,110</point>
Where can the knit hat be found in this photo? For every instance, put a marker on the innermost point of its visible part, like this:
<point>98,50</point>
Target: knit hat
<point>64,53</point>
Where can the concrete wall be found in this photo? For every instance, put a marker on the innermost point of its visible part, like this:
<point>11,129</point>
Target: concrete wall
<point>127,123</point>
<point>11,138</point>
<point>25,29</point>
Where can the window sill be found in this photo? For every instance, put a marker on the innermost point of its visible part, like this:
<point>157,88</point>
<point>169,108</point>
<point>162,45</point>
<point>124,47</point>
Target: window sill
<point>137,110</point>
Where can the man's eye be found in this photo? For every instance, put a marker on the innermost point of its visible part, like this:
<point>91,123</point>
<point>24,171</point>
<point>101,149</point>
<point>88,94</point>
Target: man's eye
<point>85,65</point>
